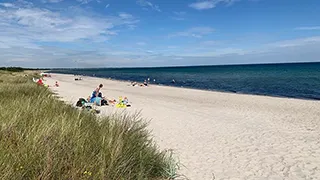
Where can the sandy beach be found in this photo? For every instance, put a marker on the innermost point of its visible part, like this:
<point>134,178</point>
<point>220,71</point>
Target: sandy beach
<point>219,135</point>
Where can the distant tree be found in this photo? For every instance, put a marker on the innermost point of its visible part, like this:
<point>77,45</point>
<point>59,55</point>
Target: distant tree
<point>12,69</point>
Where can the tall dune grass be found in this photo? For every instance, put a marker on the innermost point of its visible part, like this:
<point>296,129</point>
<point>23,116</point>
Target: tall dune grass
<point>43,138</point>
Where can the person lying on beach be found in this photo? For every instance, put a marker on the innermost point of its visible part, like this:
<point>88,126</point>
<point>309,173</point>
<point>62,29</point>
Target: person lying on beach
<point>143,84</point>
<point>106,101</point>
<point>78,79</point>
<point>133,83</point>
<point>139,84</point>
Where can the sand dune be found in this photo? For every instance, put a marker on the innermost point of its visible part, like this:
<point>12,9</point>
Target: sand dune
<point>220,135</point>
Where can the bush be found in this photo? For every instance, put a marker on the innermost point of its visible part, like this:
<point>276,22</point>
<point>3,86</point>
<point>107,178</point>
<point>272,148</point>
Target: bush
<point>43,138</point>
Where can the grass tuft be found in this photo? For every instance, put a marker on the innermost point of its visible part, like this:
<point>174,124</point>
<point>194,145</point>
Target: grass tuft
<point>43,138</point>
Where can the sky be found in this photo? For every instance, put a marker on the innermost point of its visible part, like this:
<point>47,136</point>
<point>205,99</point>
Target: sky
<point>144,33</point>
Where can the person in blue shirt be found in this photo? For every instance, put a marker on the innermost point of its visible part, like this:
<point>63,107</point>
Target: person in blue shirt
<point>96,96</point>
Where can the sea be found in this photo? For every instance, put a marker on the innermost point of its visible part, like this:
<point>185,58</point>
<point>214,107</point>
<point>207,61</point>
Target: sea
<point>293,80</point>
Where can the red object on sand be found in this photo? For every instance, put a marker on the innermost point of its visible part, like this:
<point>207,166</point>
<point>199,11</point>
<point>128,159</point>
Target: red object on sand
<point>40,82</point>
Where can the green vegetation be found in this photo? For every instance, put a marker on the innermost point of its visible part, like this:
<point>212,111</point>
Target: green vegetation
<point>44,138</point>
<point>12,69</point>
<point>20,69</point>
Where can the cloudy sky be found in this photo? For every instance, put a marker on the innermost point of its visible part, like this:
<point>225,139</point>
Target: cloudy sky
<point>125,33</point>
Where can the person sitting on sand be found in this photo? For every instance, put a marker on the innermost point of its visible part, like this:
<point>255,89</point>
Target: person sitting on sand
<point>145,83</point>
<point>40,82</point>
<point>98,99</point>
<point>95,96</point>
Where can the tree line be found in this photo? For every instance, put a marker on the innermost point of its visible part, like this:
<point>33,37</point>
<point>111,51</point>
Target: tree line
<point>17,69</point>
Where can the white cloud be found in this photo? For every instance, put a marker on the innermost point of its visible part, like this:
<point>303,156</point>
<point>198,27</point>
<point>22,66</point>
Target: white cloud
<point>107,5</point>
<point>209,4</point>
<point>147,4</point>
<point>296,42</point>
<point>141,43</point>
<point>26,26</point>
<point>197,32</point>
<point>23,60</point>
<point>11,41</point>
<point>219,52</point>
<point>3,45</point>
<point>8,5</point>
<point>39,37</point>
<point>125,15</point>
<point>129,20</point>
<point>308,28</point>
<point>203,5</point>
<point>28,31</point>
<point>59,57</point>
<point>84,1</point>
<point>52,1</point>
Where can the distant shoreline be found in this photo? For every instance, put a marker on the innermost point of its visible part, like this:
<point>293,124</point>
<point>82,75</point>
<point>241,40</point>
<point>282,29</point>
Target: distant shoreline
<point>198,89</point>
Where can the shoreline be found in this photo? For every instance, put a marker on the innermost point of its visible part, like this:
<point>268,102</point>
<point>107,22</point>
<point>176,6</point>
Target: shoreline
<point>199,89</point>
<point>226,134</point>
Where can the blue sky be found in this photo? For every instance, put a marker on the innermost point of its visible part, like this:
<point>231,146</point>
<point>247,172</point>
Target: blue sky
<point>126,33</point>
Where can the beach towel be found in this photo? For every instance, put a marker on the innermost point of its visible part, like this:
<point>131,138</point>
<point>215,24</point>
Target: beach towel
<point>96,100</point>
<point>123,103</point>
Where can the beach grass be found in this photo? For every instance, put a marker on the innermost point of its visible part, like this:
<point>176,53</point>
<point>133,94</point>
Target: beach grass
<point>41,137</point>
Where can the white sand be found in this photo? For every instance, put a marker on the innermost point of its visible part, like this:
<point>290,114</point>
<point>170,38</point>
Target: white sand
<point>232,136</point>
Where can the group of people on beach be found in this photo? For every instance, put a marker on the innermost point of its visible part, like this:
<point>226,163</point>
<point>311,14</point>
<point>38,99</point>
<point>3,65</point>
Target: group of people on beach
<point>97,98</point>
<point>144,84</point>
<point>147,81</point>
<point>133,83</point>
<point>41,81</point>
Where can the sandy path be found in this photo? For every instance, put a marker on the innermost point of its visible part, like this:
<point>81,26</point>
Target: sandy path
<point>232,136</point>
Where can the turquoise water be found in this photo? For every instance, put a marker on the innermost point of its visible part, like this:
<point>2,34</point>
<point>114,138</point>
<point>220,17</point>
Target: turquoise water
<point>298,80</point>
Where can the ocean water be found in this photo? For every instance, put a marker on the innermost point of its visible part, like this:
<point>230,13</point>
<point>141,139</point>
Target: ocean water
<point>295,80</point>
